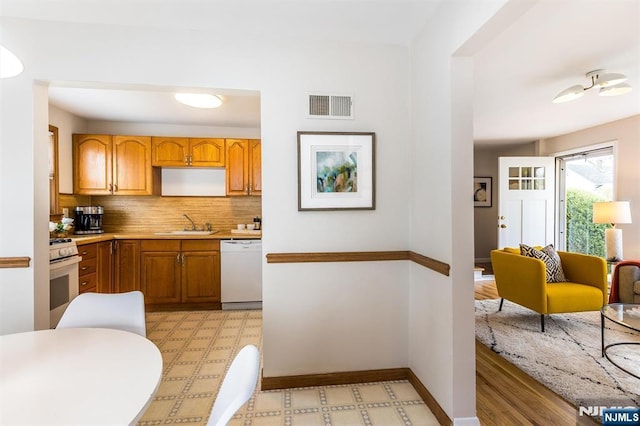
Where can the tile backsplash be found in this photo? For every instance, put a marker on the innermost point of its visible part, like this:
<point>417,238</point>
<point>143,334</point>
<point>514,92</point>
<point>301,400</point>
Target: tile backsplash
<point>155,213</point>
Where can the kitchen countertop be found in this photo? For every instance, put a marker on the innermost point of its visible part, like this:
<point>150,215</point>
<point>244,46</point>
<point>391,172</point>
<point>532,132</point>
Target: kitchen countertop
<point>220,235</point>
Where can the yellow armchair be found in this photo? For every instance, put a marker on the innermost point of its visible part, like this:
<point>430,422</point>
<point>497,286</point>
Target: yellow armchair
<point>522,280</point>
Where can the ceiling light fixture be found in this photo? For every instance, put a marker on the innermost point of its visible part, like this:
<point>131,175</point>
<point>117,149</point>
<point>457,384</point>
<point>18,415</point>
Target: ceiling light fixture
<point>610,84</point>
<point>199,100</point>
<point>10,65</point>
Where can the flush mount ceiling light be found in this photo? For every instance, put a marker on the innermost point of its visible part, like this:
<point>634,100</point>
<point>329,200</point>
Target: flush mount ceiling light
<point>199,100</point>
<point>610,84</point>
<point>10,65</point>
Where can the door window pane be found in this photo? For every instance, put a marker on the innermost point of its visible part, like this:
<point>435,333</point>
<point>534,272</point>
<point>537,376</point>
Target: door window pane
<point>521,178</point>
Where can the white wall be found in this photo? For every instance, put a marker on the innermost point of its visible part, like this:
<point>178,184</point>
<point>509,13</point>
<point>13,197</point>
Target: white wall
<point>287,72</point>
<point>441,308</point>
<point>67,125</point>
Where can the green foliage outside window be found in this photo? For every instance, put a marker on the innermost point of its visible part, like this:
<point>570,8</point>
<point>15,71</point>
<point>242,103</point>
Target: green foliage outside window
<point>584,236</point>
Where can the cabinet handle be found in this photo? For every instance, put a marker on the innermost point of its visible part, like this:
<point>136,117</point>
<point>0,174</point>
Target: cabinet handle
<point>250,189</point>
<point>111,188</point>
<point>191,160</point>
<point>84,268</point>
<point>246,190</point>
<point>115,187</point>
<point>182,258</point>
<point>178,258</point>
<point>84,283</point>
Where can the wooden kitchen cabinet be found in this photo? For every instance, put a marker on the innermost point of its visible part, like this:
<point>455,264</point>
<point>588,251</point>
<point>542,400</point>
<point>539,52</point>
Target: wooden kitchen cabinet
<point>243,167</point>
<point>87,268</point>
<point>201,271</point>
<point>117,165</point>
<point>126,273</point>
<point>187,152</point>
<point>160,271</point>
<point>104,267</point>
<point>180,271</point>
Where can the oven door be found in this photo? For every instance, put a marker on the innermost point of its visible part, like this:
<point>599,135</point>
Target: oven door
<point>63,287</point>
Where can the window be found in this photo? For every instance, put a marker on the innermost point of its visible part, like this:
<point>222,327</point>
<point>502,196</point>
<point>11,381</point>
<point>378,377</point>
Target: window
<point>584,178</point>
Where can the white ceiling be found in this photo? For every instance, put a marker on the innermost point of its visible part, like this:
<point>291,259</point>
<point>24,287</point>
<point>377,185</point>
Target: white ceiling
<point>517,74</point>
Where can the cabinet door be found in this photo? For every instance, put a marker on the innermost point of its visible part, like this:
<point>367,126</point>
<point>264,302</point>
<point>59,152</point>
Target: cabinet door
<point>127,270</point>
<point>169,152</point>
<point>255,167</point>
<point>160,263</point>
<point>237,173</point>
<point>132,172</point>
<point>201,276</point>
<point>104,267</point>
<point>206,152</point>
<point>92,164</point>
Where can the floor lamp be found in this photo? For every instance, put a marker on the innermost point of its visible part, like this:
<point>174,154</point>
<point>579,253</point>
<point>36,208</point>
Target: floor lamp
<point>612,212</point>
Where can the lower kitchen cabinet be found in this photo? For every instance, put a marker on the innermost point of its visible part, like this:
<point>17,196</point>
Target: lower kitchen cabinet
<point>126,272</point>
<point>160,271</point>
<point>104,267</point>
<point>200,271</point>
<point>87,268</point>
<point>180,272</point>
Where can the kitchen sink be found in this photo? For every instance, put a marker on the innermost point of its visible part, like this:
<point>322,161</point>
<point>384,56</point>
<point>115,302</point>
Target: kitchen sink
<point>185,232</point>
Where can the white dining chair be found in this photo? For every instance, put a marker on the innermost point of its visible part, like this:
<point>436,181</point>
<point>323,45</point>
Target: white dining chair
<point>237,387</point>
<point>122,311</point>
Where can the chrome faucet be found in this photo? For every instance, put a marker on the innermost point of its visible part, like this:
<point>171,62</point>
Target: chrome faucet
<point>193,225</point>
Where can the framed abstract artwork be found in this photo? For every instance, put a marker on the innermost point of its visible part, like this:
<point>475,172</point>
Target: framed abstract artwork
<point>336,171</point>
<point>482,191</point>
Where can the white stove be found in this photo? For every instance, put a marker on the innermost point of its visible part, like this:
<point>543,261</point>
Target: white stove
<point>61,249</point>
<point>63,276</point>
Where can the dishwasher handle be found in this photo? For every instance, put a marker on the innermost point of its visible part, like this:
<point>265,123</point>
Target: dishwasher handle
<point>240,245</point>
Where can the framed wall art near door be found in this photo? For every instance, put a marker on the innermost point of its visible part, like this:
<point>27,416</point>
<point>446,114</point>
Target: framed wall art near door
<point>482,192</point>
<point>336,171</point>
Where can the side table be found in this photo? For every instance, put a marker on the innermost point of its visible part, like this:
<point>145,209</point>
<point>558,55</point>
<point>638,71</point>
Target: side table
<point>626,315</point>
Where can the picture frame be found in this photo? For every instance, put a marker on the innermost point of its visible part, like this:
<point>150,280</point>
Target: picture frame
<point>482,190</point>
<point>336,171</point>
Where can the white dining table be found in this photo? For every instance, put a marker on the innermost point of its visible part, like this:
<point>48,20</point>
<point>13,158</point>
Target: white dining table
<point>77,376</point>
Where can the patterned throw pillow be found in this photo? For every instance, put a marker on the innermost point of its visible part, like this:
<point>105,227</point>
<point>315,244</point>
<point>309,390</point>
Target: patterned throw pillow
<point>548,255</point>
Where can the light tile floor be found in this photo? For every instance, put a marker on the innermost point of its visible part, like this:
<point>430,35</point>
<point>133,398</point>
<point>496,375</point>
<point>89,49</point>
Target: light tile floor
<point>197,348</point>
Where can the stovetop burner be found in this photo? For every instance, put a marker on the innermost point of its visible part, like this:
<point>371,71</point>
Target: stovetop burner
<point>53,241</point>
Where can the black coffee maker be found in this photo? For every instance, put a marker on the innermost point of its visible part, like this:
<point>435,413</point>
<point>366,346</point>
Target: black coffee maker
<point>88,219</point>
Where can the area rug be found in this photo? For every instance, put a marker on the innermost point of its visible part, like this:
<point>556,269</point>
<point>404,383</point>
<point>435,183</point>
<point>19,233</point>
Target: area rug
<point>566,358</point>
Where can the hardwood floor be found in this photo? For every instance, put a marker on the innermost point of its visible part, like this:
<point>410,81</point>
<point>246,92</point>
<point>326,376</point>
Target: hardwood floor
<point>507,396</point>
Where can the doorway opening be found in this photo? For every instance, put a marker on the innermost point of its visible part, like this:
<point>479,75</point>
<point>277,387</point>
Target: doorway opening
<point>583,179</point>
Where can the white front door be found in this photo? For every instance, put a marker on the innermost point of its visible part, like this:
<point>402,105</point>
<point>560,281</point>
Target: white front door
<point>525,201</point>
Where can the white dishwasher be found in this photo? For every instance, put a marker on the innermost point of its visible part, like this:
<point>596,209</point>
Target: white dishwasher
<point>241,274</point>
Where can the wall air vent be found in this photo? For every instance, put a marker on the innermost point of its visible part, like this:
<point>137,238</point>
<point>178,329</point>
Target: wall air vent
<point>330,106</point>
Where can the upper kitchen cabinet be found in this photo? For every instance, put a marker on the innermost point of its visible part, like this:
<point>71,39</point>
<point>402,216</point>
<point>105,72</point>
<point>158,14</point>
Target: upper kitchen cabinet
<point>118,165</point>
<point>244,169</point>
<point>187,152</point>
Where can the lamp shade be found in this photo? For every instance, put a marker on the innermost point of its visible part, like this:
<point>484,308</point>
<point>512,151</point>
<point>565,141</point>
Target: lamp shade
<point>10,65</point>
<point>199,100</point>
<point>612,212</point>
<point>573,92</point>
<point>617,90</point>
<point>610,79</point>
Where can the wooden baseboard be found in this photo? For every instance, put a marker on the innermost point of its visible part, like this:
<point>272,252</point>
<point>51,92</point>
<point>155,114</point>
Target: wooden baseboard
<point>428,399</point>
<point>328,379</point>
<point>367,376</point>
